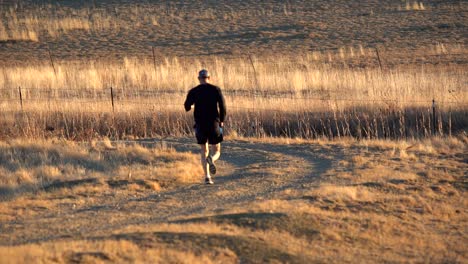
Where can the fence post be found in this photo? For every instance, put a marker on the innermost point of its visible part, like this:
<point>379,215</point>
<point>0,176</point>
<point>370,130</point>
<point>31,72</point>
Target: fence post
<point>52,62</point>
<point>112,98</point>
<point>21,97</point>
<point>450,121</point>
<point>256,80</point>
<point>255,71</point>
<point>378,58</point>
<point>433,117</point>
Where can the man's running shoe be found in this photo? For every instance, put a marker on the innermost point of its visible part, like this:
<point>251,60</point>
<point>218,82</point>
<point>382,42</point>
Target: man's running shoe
<point>210,162</point>
<point>208,180</point>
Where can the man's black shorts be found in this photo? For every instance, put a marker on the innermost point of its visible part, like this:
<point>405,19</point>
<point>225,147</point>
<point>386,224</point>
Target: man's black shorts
<point>208,132</point>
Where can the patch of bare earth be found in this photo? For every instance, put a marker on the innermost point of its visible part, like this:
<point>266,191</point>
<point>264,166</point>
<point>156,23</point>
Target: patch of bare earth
<point>277,200</point>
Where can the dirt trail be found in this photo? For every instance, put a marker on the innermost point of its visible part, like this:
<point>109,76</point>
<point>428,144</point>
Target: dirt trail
<point>247,172</point>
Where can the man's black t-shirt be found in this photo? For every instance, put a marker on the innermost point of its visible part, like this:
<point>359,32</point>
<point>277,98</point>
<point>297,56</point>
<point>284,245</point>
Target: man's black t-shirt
<point>206,98</point>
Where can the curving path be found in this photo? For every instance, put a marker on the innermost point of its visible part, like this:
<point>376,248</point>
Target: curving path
<point>247,172</point>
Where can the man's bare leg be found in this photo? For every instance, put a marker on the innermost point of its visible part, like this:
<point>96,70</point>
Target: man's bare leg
<point>215,151</point>
<point>203,156</point>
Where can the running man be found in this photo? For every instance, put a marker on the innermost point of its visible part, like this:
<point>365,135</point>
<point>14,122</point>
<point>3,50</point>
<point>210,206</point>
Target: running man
<point>209,120</point>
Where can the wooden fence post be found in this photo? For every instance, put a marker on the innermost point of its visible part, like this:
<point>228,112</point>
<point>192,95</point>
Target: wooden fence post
<point>112,98</point>
<point>378,58</point>
<point>256,81</point>
<point>21,97</point>
<point>52,62</point>
<point>255,71</point>
<point>434,123</point>
<point>450,121</point>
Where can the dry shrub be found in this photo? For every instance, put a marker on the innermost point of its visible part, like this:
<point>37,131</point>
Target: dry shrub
<point>103,143</point>
<point>359,160</point>
<point>414,5</point>
<point>343,193</point>
<point>443,145</point>
<point>403,154</point>
<point>410,148</point>
<point>21,176</point>
<point>153,185</point>
<point>132,154</point>
<point>380,173</point>
<point>277,205</point>
<point>47,173</point>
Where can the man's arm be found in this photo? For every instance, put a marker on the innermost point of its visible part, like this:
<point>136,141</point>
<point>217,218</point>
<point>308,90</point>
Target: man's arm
<point>222,106</point>
<point>189,101</point>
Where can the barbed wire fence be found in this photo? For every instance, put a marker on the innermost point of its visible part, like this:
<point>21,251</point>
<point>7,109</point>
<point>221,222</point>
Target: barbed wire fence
<point>28,100</point>
<point>113,97</point>
<point>116,101</point>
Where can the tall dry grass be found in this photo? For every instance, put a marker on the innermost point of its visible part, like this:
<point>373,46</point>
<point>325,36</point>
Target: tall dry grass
<point>39,21</point>
<point>50,22</point>
<point>303,96</point>
<point>300,77</point>
<point>43,164</point>
<point>412,6</point>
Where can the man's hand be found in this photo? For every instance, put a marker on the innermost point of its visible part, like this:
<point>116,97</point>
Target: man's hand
<point>221,124</point>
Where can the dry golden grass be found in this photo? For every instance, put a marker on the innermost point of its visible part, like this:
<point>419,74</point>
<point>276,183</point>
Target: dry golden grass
<point>372,197</point>
<point>40,24</point>
<point>276,83</point>
<point>107,251</point>
<point>413,6</point>
<point>315,100</point>
<point>43,163</point>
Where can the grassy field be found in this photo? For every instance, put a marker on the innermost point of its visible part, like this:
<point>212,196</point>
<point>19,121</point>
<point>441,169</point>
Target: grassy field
<point>335,151</point>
